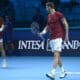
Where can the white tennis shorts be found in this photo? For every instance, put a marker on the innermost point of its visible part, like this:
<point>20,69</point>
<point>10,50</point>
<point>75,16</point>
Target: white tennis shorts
<point>56,45</point>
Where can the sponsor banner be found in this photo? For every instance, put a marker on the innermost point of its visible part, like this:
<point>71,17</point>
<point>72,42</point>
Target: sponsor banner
<point>44,45</point>
<point>27,43</point>
<point>39,47</point>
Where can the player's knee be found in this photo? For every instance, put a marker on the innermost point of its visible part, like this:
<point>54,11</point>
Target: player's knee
<point>56,57</point>
<point>56,54</point>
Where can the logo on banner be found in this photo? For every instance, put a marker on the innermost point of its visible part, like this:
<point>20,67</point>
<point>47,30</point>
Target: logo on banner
<point>38,44</point>
<point>74,45</point>
<point>31,44</point>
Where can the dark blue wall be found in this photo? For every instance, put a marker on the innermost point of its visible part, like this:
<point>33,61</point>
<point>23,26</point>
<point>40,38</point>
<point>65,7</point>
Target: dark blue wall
<point>26,35</point>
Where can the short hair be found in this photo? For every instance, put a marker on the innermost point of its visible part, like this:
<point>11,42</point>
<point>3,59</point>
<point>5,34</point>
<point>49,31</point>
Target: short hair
<point>50,4</point>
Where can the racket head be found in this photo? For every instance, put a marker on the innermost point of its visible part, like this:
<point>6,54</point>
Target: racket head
<point>35,28</point>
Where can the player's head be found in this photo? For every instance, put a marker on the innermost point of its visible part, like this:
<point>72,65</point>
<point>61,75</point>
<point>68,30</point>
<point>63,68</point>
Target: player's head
<point>50,6</point>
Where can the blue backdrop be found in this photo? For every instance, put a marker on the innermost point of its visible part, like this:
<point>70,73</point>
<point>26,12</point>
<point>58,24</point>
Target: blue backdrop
<point>29,44</point>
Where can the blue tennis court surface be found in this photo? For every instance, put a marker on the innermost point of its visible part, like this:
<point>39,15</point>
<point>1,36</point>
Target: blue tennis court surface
<point>35,68</point>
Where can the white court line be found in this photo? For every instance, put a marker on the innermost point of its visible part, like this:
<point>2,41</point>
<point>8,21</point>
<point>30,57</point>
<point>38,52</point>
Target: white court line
<point>74,73</point>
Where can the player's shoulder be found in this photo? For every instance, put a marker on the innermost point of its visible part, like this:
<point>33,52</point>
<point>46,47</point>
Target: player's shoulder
<point>59,13</point>
<point>49,16</point>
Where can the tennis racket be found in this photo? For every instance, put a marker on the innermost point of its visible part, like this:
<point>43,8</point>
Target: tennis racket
<point>35,29</point>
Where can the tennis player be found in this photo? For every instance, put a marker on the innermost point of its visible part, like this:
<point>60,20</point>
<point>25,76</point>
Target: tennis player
<point>58,29</point>
<point>4,64</point>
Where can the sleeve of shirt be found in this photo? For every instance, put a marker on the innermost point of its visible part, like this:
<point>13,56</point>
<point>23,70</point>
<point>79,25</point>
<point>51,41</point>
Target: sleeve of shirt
<point>61,15</point>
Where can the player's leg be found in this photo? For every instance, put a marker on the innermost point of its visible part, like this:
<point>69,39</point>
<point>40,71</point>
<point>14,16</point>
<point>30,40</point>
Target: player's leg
<point>51,74</point>
<point>59,48</point>
<point>4,63</point>
<point>56,46</point>
<point>56,59</point>
<point>56,62</point>
<point>53,71</point>
<point>60,65</point>
<point>63,73</point>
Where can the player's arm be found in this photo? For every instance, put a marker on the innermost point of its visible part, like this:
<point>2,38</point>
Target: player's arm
<point>45,30</point>
<point>65,23</point>
<point>2,27</point>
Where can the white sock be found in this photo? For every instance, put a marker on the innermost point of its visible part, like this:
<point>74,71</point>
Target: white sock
<point>62,69</point>
<point>4,60</point>
<point>53,71</point>
<point>4,63</point>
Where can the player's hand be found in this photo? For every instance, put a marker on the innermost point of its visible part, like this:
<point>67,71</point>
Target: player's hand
<point>40,34</point>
